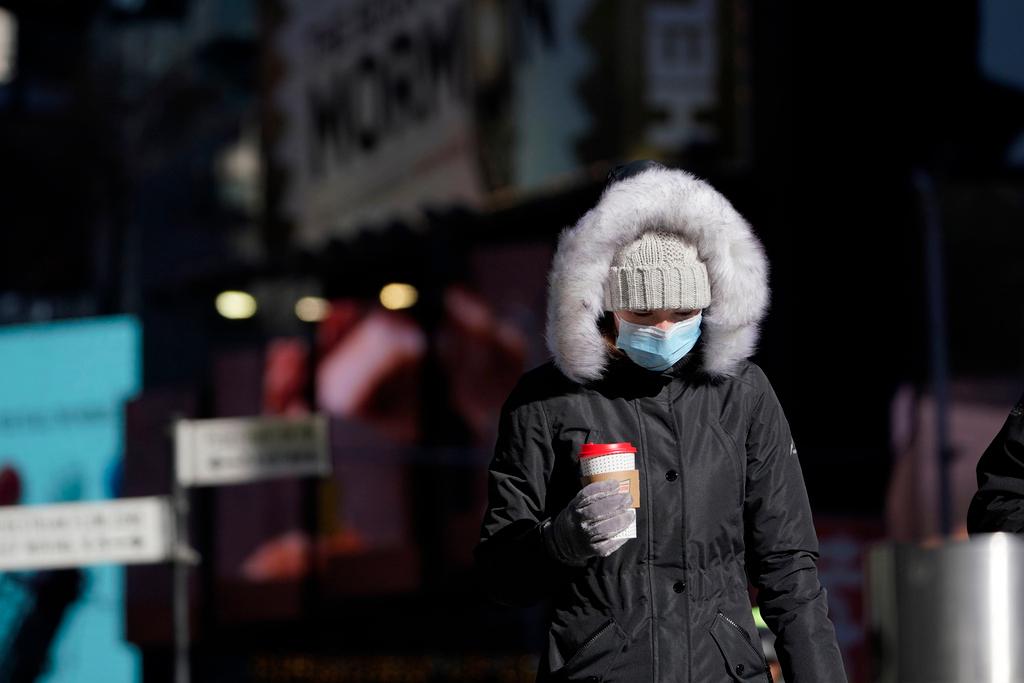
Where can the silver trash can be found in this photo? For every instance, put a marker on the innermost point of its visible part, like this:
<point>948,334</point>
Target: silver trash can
<point>947,614</point>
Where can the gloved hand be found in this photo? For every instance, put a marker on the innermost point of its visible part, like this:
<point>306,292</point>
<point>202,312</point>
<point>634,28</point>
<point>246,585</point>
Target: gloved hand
<point>586,526</point>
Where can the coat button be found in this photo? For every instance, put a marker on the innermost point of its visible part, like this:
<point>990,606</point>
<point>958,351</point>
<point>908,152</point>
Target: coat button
<point>739,668</point>
<point>679,586</point>
<point>671,475</point>
<point>592,679</point>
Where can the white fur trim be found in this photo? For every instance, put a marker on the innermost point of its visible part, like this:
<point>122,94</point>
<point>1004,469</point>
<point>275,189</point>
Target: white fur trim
<point>673,200</point>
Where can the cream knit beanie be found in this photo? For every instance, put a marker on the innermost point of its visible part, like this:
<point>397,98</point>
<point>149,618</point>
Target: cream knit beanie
<point>658,270</point>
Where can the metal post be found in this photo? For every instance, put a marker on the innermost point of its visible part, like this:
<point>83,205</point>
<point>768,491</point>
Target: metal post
<point>184,559</point>
<point>181,567</point>
<point>938,353</point>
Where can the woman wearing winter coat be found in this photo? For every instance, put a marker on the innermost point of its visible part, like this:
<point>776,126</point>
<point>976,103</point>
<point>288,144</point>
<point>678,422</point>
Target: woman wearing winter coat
<point>655,297</point>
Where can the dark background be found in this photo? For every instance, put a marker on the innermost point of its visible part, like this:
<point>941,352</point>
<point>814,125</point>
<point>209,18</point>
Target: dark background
<point>863,122</point>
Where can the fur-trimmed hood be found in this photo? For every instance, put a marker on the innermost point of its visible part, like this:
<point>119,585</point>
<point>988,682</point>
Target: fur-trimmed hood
<point>675,201</point>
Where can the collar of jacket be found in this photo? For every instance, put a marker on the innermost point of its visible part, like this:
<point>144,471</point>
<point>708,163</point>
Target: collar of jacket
<point>622,372</point>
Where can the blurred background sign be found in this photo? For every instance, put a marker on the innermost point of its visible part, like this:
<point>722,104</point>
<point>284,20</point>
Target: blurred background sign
<point>61,440</point>
<point>236,450</point>
<point>126,531</point>
<point>377,111</point>
<point>386,109</point>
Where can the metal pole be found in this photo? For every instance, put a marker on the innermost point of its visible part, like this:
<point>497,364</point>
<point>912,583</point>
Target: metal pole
<point>184,559</point>
<point>181,567</point>
<point>938,353</point>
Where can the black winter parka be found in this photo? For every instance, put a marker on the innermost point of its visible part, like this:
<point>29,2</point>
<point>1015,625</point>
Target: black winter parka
<point>722,501</point>
<point>722,496</point>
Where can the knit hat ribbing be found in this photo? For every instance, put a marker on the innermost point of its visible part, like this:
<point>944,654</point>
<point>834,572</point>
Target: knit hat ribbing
<point>657,270</point>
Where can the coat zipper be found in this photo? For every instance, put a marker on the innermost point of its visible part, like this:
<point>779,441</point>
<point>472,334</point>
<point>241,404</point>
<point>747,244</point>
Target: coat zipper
<point>677,432</point>
<point>746,637</point>
<point>650,532</point>
<point>589,642</point>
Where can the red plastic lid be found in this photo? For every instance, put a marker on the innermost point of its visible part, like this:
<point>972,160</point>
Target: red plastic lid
<point>591,450</point>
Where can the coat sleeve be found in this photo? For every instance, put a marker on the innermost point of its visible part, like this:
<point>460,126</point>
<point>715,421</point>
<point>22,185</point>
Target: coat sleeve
<point>782,549</point>
<point>512,562</point>
<point>998,504</point>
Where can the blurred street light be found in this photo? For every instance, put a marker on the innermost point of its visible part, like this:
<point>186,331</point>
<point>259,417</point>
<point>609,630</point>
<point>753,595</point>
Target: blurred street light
<point>312,309</point>
<point>235,305</point>
<point>398,295</point>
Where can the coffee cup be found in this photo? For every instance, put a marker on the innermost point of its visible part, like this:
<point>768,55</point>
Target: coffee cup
<point>616,462</point>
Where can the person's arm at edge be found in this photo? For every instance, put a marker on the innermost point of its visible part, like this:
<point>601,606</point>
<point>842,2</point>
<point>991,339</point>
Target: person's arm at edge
<point>998,504</point>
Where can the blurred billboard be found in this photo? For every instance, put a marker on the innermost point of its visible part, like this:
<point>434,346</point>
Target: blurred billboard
<point>384,109</point>
<point>61,440</point>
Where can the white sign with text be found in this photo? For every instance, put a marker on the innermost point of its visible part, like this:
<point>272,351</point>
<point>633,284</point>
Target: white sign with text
<point>243,449</point>
<point>125,531</point>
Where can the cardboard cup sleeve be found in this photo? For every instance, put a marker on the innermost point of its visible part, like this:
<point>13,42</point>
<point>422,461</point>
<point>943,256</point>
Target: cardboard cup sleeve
<point>629,480</point>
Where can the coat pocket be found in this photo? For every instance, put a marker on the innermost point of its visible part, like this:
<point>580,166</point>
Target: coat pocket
<point>743,659</point>
<point>592,657</point>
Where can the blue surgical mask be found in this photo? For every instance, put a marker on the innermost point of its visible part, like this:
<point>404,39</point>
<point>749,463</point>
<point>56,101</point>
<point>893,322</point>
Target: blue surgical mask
<point>657,349</point>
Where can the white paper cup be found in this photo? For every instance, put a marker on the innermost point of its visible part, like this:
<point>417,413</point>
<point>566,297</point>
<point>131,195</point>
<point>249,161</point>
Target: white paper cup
<point>606,459</point>
<point>602,464</point>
